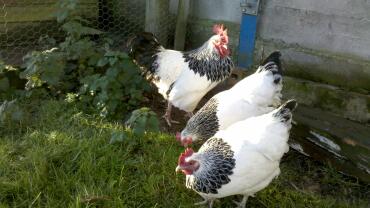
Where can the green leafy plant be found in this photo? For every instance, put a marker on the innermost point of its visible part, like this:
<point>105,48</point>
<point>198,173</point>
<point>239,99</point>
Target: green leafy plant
<point>43,67</point>
<point>143,120</point>
<point>10,111</point>
<point>116,89</point>
<point>118,137</point>
<point>11,85</point>
<point>4,81</point>
<point>85,70</point>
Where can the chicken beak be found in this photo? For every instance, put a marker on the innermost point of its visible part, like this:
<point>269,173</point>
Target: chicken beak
<point>178,169</point>
<point>186,142</point>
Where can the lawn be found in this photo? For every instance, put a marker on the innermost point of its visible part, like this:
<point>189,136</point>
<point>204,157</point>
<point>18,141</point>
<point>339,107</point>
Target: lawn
<point>58,156</point>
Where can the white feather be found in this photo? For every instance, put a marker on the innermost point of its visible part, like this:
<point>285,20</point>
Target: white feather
<point>254,95</point>
<point>258,144</point>
<point>189,89</point>
<point>171,65</point>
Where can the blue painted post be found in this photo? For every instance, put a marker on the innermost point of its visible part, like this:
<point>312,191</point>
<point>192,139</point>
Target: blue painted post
<point>248,28</point>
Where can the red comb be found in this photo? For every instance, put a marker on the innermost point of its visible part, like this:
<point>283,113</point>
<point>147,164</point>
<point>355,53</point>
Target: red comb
<point>219,29</point>
<point>188,152</point>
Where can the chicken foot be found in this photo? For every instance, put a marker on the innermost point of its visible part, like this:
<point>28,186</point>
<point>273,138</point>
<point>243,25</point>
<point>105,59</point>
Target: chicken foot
<point>167,115</point>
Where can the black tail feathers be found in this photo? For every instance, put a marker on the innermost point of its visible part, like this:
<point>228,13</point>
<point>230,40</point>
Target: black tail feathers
<point>142,49</point>
<point>273,63</point>
<point>141,42</point>
<point>273,57</point>
<point>285,110</point>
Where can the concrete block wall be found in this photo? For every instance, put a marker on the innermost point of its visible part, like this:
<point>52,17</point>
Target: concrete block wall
<point>340,26</point>
<point>324,43</point>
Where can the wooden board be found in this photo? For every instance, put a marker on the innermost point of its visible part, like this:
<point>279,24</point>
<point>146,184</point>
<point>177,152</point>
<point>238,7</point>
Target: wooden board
<point>24,22</point>
<point>27,33</point>
<point>334,140</point>
<point>33,13</point>
<point>26,3</point>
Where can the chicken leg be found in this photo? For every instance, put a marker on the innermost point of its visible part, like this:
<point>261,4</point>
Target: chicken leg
<point>206,201</point>
<point>242,203</point>
<point>189,114</point>
<point>167,115</point>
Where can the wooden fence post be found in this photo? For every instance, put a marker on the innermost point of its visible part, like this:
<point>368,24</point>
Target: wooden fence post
<point>182,17</point>
<point>155,14</point>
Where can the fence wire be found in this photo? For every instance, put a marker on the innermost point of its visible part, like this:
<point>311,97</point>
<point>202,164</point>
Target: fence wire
<point>23,22</point>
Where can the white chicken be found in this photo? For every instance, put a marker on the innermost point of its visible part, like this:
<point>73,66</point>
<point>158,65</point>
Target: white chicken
<point>243,159</point>
<point>183,78</point>
<point>254,95</point>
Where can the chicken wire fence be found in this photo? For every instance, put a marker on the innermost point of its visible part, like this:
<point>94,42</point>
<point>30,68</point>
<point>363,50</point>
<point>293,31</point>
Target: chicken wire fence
<point>24,22</point>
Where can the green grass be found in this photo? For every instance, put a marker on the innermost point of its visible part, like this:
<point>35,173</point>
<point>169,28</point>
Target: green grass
<point>60,157</point>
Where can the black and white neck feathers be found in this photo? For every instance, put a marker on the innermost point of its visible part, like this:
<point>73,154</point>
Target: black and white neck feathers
<point>204,124</point>
<point>206,61</point>
<point>217,162</point>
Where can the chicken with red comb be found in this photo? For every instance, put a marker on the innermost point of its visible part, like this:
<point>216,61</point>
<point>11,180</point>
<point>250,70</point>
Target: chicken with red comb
<point>171,71</point>
<point>255,95</point>
<point>242,159</point>
<point>219,28</point>
<point>184,141</point>
<point>186,167</point>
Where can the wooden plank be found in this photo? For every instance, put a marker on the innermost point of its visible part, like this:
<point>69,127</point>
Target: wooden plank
<point>182,18</point>
<point>343,144</point>
<point>19,33</point>
<point>26,3</point>
<point>156,11</point>
<point>28,14</point>
<point>42,13</point>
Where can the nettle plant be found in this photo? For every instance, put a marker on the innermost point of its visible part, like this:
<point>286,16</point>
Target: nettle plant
<point>84,70</point>
<point>141,121</point>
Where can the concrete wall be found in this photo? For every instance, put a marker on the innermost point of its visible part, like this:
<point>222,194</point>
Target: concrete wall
<point>323,41</point>
<point>341,26</point>
<point>224,10</point>
<point>325,46</point>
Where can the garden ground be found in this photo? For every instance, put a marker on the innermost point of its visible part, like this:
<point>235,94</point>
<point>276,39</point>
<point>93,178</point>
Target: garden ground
<point>59,156</point>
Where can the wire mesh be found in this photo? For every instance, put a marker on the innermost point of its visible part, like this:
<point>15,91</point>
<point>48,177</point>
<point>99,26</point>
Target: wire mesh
<point>23,22</point>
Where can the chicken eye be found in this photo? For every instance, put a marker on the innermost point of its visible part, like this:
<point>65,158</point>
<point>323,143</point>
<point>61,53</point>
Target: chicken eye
<point>191,163</point>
